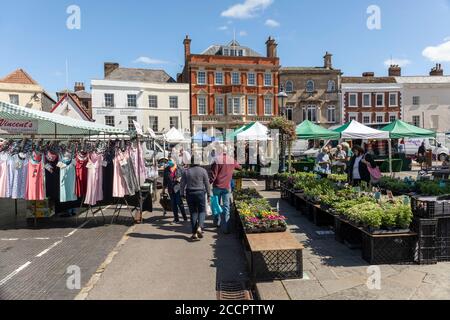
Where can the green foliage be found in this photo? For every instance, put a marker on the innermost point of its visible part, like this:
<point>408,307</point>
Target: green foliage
<point>285,127</point>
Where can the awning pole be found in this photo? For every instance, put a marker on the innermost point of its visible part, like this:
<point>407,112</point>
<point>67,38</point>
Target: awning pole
<point>390,155</point>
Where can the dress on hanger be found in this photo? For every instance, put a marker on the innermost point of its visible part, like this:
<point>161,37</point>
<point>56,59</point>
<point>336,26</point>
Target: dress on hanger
<point>139,163</point>
<point>10,166</point>
<point>67,180</point>
<point>119,184</point>
<point>19,177</point>
<point>4,183</point>
<point>128,173</point>
<point>52,176</point>
<point>94,192</point>
<point>81,175</point>
<point>35,178</point>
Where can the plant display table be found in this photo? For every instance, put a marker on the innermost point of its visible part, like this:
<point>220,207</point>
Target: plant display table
<point>274,256</point>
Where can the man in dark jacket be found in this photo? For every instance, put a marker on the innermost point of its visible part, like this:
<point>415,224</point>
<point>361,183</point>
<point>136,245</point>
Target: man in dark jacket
<point>357,170</point>
<point>171,182</point>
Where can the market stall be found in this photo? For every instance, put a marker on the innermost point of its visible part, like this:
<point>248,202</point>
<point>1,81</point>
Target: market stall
<point>308,130</point>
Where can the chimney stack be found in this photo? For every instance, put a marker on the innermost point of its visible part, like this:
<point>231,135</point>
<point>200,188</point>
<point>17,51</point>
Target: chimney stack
<point>437,71</point>
<point>271,48</point>
<point>327,61</point>
<point>187,47</point>
<point>110,67</point>
<point>79,86</point>
<point>395,71</point>
<point>368,74</point>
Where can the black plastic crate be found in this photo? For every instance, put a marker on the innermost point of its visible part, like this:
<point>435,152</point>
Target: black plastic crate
<point>425,227</point>
<point>431,207</point>
<point>347,234</point>
<point>389,249</point>
<point>426,255</point>
<point>443,228</point>
<point>322,217</point>
<point>443,248</point>
<point>277,265</point>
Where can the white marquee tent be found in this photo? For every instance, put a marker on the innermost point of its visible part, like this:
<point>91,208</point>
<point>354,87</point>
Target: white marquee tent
<point>356,130</point>
<point>257,132</point>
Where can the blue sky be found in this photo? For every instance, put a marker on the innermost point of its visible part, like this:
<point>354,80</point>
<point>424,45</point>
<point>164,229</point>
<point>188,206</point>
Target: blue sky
<point>35,36</point>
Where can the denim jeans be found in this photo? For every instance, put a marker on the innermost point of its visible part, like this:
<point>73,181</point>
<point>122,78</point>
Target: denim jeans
<point>223,220</point>
<point>177,204</point>
<point>197,208</point>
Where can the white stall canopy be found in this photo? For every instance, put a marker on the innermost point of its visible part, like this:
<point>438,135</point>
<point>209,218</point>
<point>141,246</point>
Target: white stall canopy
<point>257,132</point>
<point>356,130</point>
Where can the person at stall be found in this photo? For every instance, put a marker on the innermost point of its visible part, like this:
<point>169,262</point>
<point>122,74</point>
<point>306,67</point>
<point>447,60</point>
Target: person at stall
<point>171,182</point>
<point>340,158</point>
<point>348,151</point>
<point>421,153</point>
<point>323,160</point>
<point>195,187</point>
<point>357,168</point>
<point>374,170</point>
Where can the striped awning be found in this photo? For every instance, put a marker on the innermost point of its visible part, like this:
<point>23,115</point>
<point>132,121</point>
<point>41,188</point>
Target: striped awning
<point>53,124</point>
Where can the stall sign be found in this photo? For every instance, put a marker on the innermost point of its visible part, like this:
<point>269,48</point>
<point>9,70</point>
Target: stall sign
<point>18,126</point>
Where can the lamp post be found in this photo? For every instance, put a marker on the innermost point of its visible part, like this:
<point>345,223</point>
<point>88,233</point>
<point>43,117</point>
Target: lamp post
<point>281,97</point>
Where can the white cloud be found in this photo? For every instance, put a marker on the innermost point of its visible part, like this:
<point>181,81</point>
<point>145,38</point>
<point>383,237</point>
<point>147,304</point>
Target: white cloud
<point>246,10</point>
<point>272,23</point>
<point>399,62</point>
<point>439,53</point>
<point>223,28</point>
<point>243,33</point>
<point>148,60</point>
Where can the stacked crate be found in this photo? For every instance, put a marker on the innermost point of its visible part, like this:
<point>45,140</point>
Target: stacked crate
<point>432,224</point>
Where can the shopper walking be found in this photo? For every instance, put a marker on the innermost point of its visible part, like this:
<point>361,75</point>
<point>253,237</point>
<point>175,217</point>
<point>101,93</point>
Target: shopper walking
<point>196,188</point>
<point>357,168</point>
<point>171,182</point>
<point>221,175</point>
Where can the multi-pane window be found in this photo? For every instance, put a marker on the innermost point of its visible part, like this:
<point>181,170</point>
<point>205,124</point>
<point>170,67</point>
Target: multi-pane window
<point>251,106</point>
<point>235,78</point>
<point>173,102</point>
<point>311,113</point>
<point>392,118</point>
<point>416,121</point>
<point>289,87</point>
<point>153,101</point>
<point>220,108</point>
<point>132,100</point>
<point>236,105</point>
<point>353,100</point>
<point>331,86</point>
<point>109,121</point>
<point>331,114</point>
<point>153,123</point>
<point>289,114</point>
<point>201,77</point>
<point>267,79</point>
<point>352,118</point>
<point>380,119</point>
<point>109,100</point>
<point>416,100</point>
<point>366,119</point>
<point>219,78</point>
<point>131,126</point>
<point>268,107</point>
<point>367,97</point>
<point>393,99</point>
<point>14,99</point>
<point>380,99</point>
<point>310,86</point>
<point>251,79</point>
<point>202,106</point>
<point>173,122</point>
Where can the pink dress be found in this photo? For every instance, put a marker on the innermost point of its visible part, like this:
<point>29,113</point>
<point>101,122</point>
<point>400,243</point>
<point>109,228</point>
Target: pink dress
<point>4,184</point>
<point>94,192</point>
<point>35,178</point>
<point>119,183</point>
<point>139,163</point>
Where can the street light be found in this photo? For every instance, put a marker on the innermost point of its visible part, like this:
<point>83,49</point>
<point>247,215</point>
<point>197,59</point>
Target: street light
<point>281,96</point>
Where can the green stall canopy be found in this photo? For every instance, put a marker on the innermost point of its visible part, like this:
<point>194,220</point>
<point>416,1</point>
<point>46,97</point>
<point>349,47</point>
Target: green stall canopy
<point>400,129</point>
<point>308,131</point>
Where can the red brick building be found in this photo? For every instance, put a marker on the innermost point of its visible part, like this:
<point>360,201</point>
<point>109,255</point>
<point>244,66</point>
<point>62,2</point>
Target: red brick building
<point>231,85</point>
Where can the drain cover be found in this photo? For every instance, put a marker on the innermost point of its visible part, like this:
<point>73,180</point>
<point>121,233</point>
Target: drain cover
<point>233,291</point>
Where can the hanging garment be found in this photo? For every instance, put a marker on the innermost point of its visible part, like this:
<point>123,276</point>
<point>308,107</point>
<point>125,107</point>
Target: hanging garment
<point>4,175</point>
<point>52,176</point>
<point>128,173</point>
<point>19,178</point>
<point>10,167</point>
<point>139,163</point>
<point>119,184</point>
<point>67,180</point>
<point>94,192</point>
<point>35,178</point>
<point>108,177</point>
<point>81,175</point>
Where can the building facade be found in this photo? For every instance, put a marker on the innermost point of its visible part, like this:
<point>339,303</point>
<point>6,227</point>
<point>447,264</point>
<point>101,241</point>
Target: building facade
<point>21,89</point>
<point>84,97</point>
<point>373,101</point>
<point>69,105</point>
<point>150,97</point>
<point>313,93</point>
<point>231,85</point>
<point>426,100</point>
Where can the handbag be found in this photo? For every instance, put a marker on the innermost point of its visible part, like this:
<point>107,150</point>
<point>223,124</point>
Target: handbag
<point>215,206</point>
<point>375,174</point>
<point>165,202</point>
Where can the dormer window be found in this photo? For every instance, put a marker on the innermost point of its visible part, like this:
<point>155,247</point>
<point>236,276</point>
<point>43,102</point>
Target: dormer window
<point>310,86</point>
<point>331,86</point>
